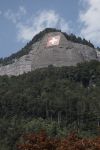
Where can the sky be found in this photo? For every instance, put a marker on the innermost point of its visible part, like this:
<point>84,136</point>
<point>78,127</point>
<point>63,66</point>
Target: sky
<point>20,20</point>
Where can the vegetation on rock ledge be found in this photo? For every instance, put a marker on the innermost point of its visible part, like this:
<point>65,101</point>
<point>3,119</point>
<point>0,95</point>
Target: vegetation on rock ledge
<point>38,37</point>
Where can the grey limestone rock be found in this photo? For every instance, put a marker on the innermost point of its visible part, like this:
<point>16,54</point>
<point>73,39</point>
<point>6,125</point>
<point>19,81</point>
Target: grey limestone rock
<point>66,53</point>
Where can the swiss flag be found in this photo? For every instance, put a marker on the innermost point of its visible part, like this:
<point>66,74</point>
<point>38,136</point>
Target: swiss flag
<point>54,40</point>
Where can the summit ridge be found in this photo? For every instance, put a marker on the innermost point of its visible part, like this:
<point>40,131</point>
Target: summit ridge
<point>53,48</point>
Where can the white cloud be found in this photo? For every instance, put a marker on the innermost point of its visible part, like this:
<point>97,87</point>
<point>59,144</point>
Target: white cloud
<point>22,10</point>
<point>30,26</point>
<point>39,22</point>
<point>90,18</point>
<point>15,16</point>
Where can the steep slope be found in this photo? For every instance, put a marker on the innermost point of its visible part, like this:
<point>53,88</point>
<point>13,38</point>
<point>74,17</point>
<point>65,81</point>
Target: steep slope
<point>41,53</point>
<point>66,53</point>
<point>57,99</point>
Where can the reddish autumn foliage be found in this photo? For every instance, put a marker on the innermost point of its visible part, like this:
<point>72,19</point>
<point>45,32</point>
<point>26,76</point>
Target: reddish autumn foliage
<point>72,142</point>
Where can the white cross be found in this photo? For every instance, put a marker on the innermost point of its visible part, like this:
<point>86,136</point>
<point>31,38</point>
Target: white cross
<point>53,41</point>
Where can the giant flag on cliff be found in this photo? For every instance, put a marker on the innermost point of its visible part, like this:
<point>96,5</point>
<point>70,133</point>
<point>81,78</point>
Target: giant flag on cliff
<point>53,40</point>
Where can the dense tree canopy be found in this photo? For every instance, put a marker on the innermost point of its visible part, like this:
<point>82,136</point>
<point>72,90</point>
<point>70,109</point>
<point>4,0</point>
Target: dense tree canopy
<point>58,100</point>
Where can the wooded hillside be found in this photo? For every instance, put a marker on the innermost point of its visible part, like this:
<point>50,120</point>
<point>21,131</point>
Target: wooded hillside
<point>59,100</point>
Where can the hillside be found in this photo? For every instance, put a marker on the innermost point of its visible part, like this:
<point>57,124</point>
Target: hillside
<point>57,99</point>
<point>49,47</point>
<point>38,37</point>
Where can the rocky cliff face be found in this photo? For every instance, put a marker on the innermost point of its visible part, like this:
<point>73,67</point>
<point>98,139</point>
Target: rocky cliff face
<point>53,49</point>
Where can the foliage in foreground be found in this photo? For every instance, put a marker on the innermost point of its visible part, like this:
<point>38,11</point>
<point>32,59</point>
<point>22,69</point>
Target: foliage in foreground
<point>72,142</point>
<point>58,100</point>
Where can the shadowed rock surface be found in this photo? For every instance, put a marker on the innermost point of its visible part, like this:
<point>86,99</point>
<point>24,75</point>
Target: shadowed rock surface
<point>67,53</point>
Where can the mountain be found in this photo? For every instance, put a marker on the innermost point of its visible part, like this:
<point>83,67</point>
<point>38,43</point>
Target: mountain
<point>65,50</point>
<point>60,92</point>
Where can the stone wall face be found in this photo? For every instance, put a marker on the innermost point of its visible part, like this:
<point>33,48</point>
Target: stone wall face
<point>19,67</point>
<point>66,53</point>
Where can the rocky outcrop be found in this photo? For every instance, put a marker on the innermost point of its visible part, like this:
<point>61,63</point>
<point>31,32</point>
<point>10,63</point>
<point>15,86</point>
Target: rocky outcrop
<point>63,53</point>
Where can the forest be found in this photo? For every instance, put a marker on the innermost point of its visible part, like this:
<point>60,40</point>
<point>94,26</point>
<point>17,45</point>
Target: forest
<point>59,100</point>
